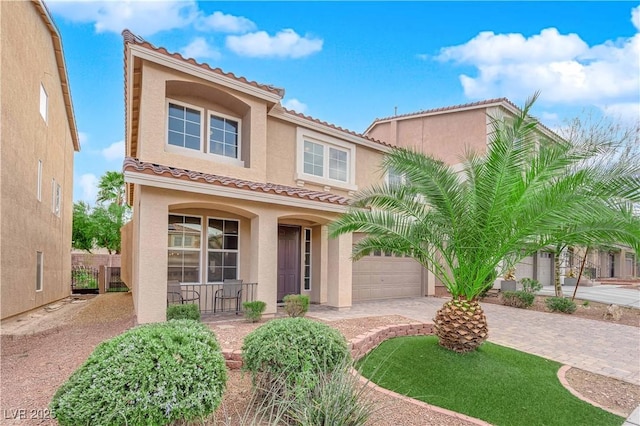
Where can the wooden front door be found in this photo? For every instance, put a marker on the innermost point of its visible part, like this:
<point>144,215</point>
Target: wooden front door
<point>288,260</point>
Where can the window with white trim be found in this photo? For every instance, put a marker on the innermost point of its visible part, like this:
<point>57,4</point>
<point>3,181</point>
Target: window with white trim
<point>44,103</point>
<point>39,270</point>
<point>39,184</point>
<point>395,178</point>
<point>224,136</point>
<point>325,160</point>
<point>307,259</point>
<point>186,129</point>
<point>222,249</point>
<point>57,195</point>
<point>184,247</point>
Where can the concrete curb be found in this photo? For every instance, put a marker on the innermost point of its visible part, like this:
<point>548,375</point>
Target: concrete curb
<point>634,418</point>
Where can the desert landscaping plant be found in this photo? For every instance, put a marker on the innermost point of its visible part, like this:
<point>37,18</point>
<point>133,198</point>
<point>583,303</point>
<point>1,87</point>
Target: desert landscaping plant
<point>517,299</point>
<point>189,311</point>
<point>154,374</point>
<point>525,193</point>
<point>253,310</point>
<point>294,349</point>
<point>560,304</point>
<point>296,305</point>
<point>529,285</point>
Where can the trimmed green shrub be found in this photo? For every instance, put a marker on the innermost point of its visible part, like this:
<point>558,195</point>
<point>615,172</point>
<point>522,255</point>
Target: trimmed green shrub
<point>517,299</point>
<point>296,305</point>
<point>253,310</point>
<point>560,304</point>
<point>153,374</point>
<point>295,350</point>
<point>530,285</point>
<point>189,311</point>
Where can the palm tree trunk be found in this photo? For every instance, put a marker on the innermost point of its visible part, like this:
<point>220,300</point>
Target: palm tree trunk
<point>461,325</point>
<point>556,264</point>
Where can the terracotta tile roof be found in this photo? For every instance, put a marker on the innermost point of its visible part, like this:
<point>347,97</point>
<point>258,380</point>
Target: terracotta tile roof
<point>131,38</point>
<point>135,165</point>
<point>42,10</point>
<point>450,108</point>
<point>333,126</point>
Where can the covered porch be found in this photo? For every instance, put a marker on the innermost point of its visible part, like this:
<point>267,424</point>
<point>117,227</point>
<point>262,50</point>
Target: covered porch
<point>200,240</point>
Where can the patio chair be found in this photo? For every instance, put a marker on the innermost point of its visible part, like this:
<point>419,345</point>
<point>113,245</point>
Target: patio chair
<point>231,290</point>
<point>177,294</point>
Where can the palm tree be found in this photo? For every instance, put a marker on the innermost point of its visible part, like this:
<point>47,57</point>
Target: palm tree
<point>519,197</point>
<point>111,188</point>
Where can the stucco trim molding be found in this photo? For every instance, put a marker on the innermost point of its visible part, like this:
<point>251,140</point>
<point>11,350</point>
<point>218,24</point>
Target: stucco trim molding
<point>222,191</point>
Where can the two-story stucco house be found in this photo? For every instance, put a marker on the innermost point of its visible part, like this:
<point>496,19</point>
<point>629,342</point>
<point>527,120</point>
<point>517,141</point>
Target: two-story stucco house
<point>225,183</point>
<point>448,132</point>
<point>38,138</point>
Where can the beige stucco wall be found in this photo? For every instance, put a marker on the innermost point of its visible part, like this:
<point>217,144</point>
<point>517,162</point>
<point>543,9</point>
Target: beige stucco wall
<point>152,144</point>
<point>28,225</point>
<point>445,136</point>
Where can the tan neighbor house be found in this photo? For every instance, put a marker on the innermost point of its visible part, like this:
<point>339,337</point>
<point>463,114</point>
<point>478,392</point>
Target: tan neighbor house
<point>446,133</point>
<point>225,183</point>
<point>37,142</point>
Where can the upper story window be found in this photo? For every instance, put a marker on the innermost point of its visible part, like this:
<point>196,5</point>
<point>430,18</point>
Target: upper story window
<point>44,102</point>
<point>57,195</point>
<point>395,178</point>
<point>184,126</point>
<point>223,136</point>
<point>325,160</point>
<point>186,129</point>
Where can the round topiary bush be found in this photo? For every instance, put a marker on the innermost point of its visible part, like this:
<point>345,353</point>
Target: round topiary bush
<point>152,374</point>
<point>293,350</point>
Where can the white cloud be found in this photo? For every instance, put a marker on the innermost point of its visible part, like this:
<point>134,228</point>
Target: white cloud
<point>295,105</point>
<point>88,182</point>
<point>286,43</point>
<point>114,152</point>
<point>144,18</point>
<point>200,48</point>
<point>627,113</point>
<point>83,138</point>
<point>635,17</point>
<point>223,23</point>
<point>549,116</point>
<point>562,66</point>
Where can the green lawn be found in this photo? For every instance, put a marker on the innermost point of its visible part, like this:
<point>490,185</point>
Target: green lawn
<point>499,385</point>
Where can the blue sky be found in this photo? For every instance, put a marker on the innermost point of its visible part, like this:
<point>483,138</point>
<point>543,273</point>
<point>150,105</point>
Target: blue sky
<point>348,63</point>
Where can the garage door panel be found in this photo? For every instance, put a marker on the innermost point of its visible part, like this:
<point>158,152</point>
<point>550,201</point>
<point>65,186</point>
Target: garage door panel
<point>384,277</point>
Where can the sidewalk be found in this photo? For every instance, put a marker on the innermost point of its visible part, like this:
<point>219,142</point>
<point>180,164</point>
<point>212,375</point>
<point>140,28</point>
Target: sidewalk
<point>603,348</point>
<point>616,294</point>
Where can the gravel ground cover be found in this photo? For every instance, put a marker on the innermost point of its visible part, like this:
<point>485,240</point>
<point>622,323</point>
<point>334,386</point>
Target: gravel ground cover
<point>41,351</point>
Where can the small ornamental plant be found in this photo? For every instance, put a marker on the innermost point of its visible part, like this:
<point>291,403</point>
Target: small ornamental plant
<point>529,285</point>
<point>189,311</point>
<point>570,273</point>
<point>517,299</point>
<point>253,310</point>
<point>296,305</point>
<point>560,304</point>
<point>153,374</point>
<point>510,275</point>
<point>293,351</point>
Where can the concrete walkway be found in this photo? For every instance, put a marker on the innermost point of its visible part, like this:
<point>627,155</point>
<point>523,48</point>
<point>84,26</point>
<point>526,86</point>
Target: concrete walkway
<point>608,349</point>
<point>601,293</point>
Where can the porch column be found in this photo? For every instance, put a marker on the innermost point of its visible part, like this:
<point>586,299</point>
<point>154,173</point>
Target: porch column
<point>430,285</point>
<point>339,288</point>
<point>264,258</point>
<point>319,264</point>
<point>150,291</point>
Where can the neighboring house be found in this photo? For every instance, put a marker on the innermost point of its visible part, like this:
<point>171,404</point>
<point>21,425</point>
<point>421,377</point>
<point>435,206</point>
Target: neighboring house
<point>447,133</point>
<point>38,138</point>
<point>225,183</point>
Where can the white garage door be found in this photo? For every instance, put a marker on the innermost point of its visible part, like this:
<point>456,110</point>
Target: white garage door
<point>545,263</point>
<point>383,276</point>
